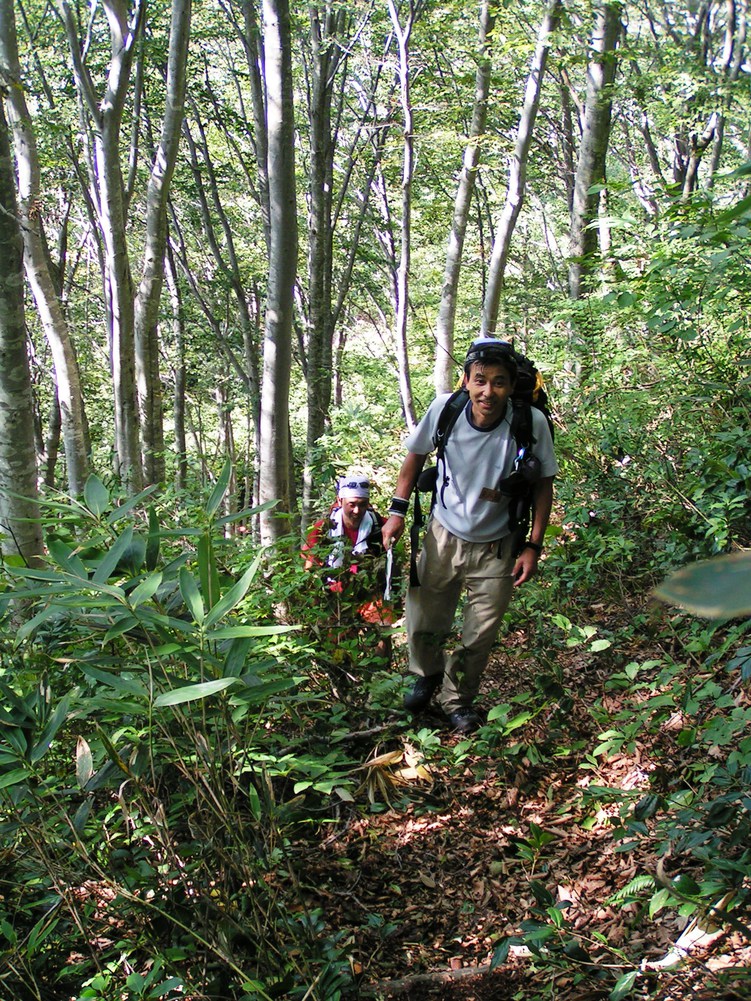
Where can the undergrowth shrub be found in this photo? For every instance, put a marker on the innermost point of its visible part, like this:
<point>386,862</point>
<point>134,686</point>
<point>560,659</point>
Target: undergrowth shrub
<point>159,743</point>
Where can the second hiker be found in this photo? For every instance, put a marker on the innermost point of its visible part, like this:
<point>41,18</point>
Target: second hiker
<point>472,542</point>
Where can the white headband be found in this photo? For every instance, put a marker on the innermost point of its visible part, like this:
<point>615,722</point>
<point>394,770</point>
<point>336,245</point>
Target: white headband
<point>350,486</point>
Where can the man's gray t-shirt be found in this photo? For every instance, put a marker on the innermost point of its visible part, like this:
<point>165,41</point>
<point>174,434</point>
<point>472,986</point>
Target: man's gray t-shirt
<point>476,460</point>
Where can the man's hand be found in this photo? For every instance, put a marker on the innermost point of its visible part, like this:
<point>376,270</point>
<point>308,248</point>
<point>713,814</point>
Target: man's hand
<point>392,531</point>
<point>525,566</point>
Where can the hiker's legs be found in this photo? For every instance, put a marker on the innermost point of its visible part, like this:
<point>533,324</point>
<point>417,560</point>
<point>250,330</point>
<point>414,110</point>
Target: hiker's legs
<point>431,606</point>
<point>488,585</point>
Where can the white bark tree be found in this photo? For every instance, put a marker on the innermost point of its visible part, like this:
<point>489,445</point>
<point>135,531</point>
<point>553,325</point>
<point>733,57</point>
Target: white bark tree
<point>274,480</point>
<point>444,368</point>
<point>518,171</point>
<point>37,262</point>
<point>590,168</point>
<point>108,193</point>
<point>152,278</point>
<point>402,32</point>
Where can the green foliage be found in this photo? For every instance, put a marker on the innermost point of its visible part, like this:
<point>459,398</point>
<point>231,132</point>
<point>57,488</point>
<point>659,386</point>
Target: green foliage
<point>143,768</point>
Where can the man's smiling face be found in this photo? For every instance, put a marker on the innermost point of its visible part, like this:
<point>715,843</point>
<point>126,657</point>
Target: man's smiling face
<point>489,385</point>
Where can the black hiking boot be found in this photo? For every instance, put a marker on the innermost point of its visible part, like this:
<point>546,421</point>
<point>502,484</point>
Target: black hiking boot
<point>465,719</point>
<point>422,692</point>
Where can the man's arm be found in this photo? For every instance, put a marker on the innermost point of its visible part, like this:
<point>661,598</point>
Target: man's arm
<point>526,563</point>
<point>405,484</point>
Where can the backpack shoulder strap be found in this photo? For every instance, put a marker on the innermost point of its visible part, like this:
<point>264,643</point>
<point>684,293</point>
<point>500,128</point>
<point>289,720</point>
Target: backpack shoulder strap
<point>448,417</point>
<point>521,423</point>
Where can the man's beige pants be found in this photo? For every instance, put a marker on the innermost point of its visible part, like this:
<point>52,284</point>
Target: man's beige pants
<point>446,566</point>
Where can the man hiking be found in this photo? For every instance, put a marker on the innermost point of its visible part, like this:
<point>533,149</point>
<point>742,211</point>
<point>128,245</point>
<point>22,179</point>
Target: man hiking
<point>472,541</point>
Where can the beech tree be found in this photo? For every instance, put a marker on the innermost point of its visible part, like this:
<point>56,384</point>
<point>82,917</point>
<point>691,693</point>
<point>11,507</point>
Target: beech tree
<point>20,531</point>
<point>518,171</point>
<point>148,299</point>
<point>590,168</point>
<point>274,481</point>
<point>443,372</point>
<point>46,290</point>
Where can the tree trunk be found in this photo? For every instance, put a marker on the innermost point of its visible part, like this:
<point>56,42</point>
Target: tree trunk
<point>20,528</point>
<point>152,278</point>
<point>518,172</point>
<point>36,260</point>
<point>405,246</point>
<point>180,374</point>
<point>277,354</point>
<point>324,63</point>
<point>111,202</point>
<point>590,169</point>
<point>444,360</point>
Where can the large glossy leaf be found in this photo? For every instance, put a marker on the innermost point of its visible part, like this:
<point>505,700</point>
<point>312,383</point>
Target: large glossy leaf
<point>113,556</point>
<point>132,502</point>
<point>715,589</point>
<point>191,595</point>
<point>191,693</point>
<point>220,489</point>
<point>96,495</point>
<point>54,723</point>
<point>66,559</point>
<point>235,595</point>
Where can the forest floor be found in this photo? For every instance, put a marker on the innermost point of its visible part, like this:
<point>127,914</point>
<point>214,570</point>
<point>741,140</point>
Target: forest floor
<point>422,891</point>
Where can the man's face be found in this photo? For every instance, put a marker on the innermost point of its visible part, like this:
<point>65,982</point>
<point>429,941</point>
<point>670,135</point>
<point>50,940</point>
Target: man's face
<point>353,511</point>
<point>490,386</point>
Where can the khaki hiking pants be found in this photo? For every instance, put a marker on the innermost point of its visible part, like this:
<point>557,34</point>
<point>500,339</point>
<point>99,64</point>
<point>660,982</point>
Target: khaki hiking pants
<point>446,566</point>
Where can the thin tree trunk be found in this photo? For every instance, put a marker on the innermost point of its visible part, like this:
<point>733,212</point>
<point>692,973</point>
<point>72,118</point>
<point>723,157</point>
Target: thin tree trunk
<point>444,334</point>
<point>152,278</point>
<point>180,374</point>
<point>518,172</point>
<point>405,245</point>
<point>20,528</point>
<point>107,182</point>
<point>37,263</point>
<point>277,353</point>
<point>590,169</point>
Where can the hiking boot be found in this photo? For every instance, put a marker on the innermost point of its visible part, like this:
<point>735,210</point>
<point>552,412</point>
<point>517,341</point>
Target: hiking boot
<point>422,692</point>
<point>465,719</point>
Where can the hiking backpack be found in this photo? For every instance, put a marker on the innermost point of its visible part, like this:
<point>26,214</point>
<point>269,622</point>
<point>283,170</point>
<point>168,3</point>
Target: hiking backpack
<point>519,486</point>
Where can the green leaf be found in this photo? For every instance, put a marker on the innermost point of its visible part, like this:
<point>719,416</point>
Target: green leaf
<point>623,986</point>
<point>207,570</point>
<point>54,723</point>
<point>719,588</point>
<point>115,681</point>
<point>13,778</point>
<point>67,560</point>
<point>112,558</point>
<point>96,495</point>
<point>191,595</point>
<point>132,502</point>
<point>28,627</point>
<point>234,596</point>
<point>120,626</point>
<point>153,540</point>
<point>254,801</point>
<point>220,489</point>
<point>145,590</point>
<point>192,693</point>
<point>234,632</point>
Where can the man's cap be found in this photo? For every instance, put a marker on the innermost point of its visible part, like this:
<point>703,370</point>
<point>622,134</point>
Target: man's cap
<point>353,484</point>
<point>490,350</point>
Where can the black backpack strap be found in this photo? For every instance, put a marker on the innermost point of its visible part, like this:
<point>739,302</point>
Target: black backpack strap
<point>414,541</point>
<point>452,408</point>
<point>521,424</point>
